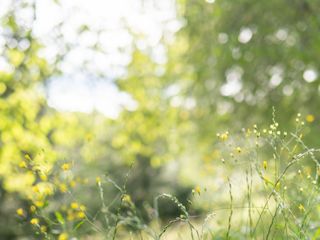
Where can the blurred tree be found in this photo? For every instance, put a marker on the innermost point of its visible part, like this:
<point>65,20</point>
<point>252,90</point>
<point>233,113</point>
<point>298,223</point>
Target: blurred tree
<point>24,127</point>
<point>152,132</point>
<point>245,56</point>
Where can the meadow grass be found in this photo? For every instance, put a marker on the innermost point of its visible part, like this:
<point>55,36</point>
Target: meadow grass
<point>270,191</point>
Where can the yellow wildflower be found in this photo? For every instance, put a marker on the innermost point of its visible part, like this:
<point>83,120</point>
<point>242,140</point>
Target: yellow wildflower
<point>126,198</point>
<point>43,177</point>
<point>23,164</point>
<point>34,221</point>
<point>74,205</point>
<point>197,189</point>
<point>39,203</point>
<point>20,212</point>
<point>35,189</point>
<point>81,215</point>
<point>47,190</point>
<point>63,236</point>
<point>224,136</point>
<point>63,188</point>
<point>310,118</point>
<point>65,167</point>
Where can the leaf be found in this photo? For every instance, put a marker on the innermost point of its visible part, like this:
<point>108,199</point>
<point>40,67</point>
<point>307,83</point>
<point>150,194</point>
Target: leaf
<point>316,235</point>
<point>59,218</point>
<point>78,225</point>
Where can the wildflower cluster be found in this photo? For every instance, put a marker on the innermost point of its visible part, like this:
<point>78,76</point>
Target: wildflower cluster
<point>286,166</point>
<point>270,175</point>
<point>49,185</point>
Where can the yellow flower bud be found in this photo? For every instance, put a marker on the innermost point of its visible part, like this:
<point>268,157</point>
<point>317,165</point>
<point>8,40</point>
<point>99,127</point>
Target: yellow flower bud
<point>265,165</point>
<point>23,164</point>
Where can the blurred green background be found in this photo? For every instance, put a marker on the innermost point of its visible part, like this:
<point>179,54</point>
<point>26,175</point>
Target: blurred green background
<point>145,84</point>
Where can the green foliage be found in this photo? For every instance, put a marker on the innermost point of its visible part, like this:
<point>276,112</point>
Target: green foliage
<point>262,49</point>
<point>24,129</point>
